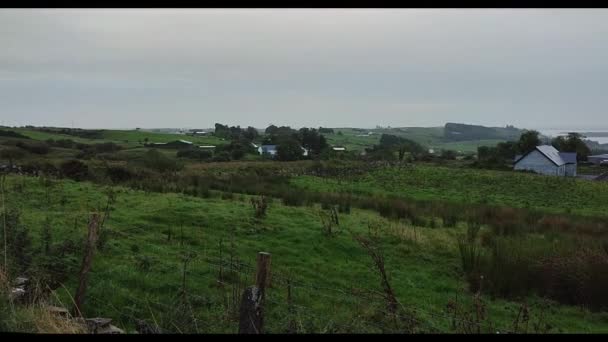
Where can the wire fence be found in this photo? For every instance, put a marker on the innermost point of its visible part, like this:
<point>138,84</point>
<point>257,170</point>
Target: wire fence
<point>230,274</point>
<point>367,309</point>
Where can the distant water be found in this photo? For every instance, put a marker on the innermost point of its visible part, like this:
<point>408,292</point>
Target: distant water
<point>558,132</point>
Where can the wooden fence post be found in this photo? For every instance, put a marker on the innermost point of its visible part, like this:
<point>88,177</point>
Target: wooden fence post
<point>263,271</point>
<point>252,304</point>
<point>87,261</point>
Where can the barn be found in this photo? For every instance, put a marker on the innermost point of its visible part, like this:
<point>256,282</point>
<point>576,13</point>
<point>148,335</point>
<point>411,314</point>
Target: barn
<point>546,160</point>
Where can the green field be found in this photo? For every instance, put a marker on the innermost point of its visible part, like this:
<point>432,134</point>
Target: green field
<point>423,263</point>
<point>127,138</point>
<point>335,287</point>
<point>506,188</point>
<point>430,137</point>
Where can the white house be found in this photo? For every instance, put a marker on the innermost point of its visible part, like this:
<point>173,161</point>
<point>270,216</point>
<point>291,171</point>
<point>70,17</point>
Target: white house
<point>546,160</point>
<point>269,149</point>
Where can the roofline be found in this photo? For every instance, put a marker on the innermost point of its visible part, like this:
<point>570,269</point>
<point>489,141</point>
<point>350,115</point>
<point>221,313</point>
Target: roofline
<point>541,152</point>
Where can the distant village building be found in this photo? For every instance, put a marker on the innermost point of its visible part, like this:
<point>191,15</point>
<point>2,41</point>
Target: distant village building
<point>546,160</point>
<point>207,147</point>
<point>338,148</point>
<point>268,149</point>
<point>598,159</point>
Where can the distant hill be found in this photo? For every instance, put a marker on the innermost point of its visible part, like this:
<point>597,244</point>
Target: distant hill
<point>464,132</point>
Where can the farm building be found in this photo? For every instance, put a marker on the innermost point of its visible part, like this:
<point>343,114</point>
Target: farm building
<point>338,148</point>
<point>268,149</point>
<point>207,147</point>
<point>546,160</point>
<point>598,159</point>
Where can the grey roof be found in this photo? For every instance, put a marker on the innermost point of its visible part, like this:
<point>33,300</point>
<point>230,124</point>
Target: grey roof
<point>269,147</point>
<point>518,157</point>
<point>568,157</point>
<point>551,153</point>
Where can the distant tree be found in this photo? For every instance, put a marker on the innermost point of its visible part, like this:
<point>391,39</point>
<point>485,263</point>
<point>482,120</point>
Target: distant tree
<point>528,141</point>
<point>312,140</point>
<point>222,131</point>
<point>272,129</point>
<point>573,142</point>
<point>289,149</point>
<point>251,133</point>
<point>507,150</point>
<point>400,144</point>
<point>340,133</point>
<point>326,130</point>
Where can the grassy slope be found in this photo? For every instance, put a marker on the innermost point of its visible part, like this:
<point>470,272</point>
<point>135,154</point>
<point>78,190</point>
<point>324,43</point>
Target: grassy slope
<point>475,186</point>
<point>431,137</point>
<point>424,270</point>
<point>128,138</point>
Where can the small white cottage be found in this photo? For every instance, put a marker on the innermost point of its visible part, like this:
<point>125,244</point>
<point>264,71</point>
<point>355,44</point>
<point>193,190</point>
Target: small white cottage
<point>546,160</point>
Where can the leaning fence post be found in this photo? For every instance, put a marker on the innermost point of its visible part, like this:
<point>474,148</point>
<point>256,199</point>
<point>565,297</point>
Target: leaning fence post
<point>87,261</point>
<point>252,304</point>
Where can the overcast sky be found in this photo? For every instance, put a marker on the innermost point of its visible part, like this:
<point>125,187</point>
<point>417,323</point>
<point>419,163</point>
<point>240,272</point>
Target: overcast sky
<point>124,68</point>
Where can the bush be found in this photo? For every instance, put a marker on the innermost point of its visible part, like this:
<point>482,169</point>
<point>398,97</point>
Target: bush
<point>74,169</point>
<point>11,154</point>
<point>193,153</point>
<point>36,148</point>
<point>118,174</point>
<point>222,157</point>
<point>12,134</point>
<point>511,267</point>
<point>155,160</point>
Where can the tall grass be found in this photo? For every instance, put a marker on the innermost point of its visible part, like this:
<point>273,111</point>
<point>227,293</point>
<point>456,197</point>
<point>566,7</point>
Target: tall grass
<point>571,272</point>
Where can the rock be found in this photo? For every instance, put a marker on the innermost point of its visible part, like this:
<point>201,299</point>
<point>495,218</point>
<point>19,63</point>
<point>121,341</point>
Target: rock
<point>110,329</point>
<point>21,281</point>
<point>97,324</point>
<point>59,311</point>
<point>144,327</point>
<point>17,293</point>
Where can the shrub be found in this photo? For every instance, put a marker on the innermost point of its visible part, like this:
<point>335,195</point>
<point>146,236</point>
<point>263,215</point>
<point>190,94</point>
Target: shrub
<point>156,160</point>
<point>12,134</point>
<point>74,169</point>
<point>221,157</point>
<point>259,206</point>
<point>292,198</point>
<point>194,153</point>
<point>34,147</point>
<point>118,174</point>
<point>11,154</point>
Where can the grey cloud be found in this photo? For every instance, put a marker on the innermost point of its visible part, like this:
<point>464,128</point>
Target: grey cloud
<point>303,67</point>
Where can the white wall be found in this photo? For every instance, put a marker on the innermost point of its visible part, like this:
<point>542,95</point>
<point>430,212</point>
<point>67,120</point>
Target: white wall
<point>537,162</point>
